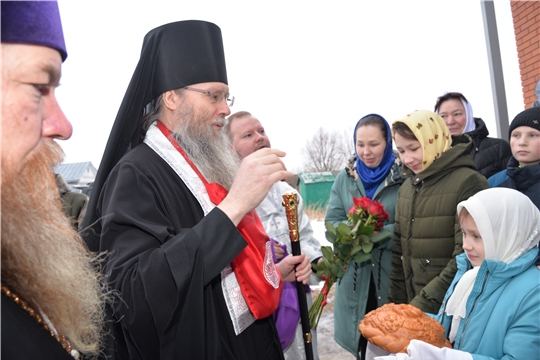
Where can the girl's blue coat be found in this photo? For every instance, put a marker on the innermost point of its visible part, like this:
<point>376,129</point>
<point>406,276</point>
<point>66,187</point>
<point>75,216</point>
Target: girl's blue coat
<point>503,310</point>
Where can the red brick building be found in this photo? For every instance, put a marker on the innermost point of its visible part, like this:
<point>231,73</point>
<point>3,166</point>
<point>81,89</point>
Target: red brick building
<point>526,17</point>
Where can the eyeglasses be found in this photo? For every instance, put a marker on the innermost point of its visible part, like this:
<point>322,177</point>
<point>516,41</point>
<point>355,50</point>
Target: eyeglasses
<point>214,95</point>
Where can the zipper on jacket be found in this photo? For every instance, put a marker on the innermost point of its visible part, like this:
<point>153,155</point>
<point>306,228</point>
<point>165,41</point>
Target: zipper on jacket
<point>419,186</point>
<point>410,225</point>
<point>412,287</point>
<point>472,309</point>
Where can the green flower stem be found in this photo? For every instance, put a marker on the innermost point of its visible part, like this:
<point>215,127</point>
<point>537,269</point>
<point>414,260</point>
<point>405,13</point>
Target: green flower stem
<point>357,240</point>
<point>369,220</point>
<point>347,258</point>
<point>316,309</point>
<point>315,312</point>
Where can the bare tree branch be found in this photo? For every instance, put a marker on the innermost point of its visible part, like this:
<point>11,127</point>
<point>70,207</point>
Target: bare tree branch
<point>326,151</point>
<point>347,142</point>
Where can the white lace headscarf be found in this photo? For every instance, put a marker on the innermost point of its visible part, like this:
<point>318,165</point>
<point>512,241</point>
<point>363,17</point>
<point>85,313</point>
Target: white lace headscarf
<point>470,125</point>
<point>509,224</point>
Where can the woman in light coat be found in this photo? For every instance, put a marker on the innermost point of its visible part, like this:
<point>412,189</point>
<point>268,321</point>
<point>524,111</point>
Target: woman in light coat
<point>374,173</point>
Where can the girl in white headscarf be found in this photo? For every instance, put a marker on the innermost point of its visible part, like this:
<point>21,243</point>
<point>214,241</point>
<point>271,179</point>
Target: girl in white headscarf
<point>493,305</point>
<point>492,308</point>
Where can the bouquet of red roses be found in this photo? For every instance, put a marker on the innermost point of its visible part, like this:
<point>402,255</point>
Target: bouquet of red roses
<point>353,241</point>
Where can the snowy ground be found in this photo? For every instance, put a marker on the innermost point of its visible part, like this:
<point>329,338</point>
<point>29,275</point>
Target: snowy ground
<point>327,347</point>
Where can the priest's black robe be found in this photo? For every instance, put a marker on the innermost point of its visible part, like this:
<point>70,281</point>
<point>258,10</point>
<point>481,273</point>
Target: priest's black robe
<point>165,259</point>
<point>24,338</point>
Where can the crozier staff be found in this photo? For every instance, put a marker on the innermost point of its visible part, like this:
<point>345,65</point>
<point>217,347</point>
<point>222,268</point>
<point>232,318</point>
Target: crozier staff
<point>290,202</point>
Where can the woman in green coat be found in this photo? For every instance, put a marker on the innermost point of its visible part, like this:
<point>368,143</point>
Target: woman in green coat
<point>427,236</point>
<point>374,173</point>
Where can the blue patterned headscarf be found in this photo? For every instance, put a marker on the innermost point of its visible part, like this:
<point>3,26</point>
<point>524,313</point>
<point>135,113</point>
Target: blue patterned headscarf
<point>373,177</point>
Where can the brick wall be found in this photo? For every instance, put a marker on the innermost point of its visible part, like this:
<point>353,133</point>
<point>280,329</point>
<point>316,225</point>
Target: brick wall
<point>526,16</point>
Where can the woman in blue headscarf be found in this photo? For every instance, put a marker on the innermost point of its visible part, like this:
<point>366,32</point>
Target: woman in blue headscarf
<point>374,172</point>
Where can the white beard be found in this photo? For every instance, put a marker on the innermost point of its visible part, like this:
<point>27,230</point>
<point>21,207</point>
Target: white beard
<point>210,150</point>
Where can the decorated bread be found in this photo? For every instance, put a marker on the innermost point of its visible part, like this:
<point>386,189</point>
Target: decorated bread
<point>392,326</point>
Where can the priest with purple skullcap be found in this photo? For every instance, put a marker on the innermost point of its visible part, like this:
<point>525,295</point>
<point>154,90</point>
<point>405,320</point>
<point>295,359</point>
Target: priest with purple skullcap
<point>52,299</point>
<point>33,22</point>
<point>173,207</point>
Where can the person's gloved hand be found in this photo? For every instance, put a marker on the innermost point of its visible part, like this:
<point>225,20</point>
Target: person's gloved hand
<point>399,356</point>
<point>420,350</point>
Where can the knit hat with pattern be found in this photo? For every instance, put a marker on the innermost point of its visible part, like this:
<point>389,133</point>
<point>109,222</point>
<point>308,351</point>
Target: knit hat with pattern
<point>529,117</point>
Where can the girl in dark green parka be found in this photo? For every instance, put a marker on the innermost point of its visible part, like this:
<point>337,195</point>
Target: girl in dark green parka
<point>427,235</point>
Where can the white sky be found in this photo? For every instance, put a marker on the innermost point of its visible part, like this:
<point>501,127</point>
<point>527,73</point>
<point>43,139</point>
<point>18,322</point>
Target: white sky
<point>295,65</point>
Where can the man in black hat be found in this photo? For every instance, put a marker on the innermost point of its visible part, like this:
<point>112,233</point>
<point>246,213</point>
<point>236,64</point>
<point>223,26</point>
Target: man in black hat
<point>174,209</point>
<point>51,294</point>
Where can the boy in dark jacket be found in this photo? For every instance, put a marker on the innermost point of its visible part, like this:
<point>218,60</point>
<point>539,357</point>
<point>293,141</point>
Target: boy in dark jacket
<point>523,171</point>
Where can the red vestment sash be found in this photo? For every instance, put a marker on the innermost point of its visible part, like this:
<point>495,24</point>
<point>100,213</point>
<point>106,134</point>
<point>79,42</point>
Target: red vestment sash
<point>249,266</point>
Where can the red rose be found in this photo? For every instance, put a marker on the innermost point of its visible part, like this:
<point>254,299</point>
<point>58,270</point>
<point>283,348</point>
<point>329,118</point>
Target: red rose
<point>377,210</point>
<point>352,210</point>
<point>362,202</point>
<point>382,217</point>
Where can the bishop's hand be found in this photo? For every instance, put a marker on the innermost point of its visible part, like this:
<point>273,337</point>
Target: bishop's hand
<point>258,172</point>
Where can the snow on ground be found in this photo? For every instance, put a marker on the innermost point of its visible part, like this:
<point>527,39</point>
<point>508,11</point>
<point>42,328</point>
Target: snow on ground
<point>318,232</point>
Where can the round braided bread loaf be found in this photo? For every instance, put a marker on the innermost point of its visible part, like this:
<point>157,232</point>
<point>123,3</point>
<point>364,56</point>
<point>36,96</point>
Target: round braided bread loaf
<point>392,326</point>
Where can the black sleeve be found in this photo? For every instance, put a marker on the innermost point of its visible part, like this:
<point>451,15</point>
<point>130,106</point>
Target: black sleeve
<point>163,253</point>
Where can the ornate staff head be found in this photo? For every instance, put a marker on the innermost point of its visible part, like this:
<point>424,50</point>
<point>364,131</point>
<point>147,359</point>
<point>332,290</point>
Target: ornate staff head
<point>290,202</point>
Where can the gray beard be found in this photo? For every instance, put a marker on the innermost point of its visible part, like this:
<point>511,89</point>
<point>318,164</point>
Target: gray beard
<point>210,150</point>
